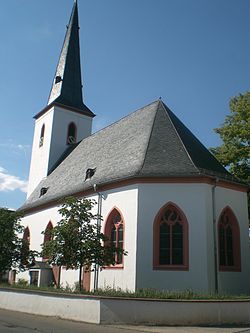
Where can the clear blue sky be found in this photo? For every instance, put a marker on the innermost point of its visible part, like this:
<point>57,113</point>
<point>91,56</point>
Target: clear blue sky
<point>195,54</point>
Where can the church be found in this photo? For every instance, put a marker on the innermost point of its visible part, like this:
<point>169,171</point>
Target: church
<point>164,198</point>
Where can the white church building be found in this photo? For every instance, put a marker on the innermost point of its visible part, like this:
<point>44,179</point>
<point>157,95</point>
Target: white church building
<point>164,197</point>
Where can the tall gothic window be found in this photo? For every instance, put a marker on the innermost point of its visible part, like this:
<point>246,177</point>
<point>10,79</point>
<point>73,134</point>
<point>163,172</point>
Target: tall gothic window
<point>114,230</point>
<point>41,140</point>
<point>229,241</point>
<point>71,137</point>
<point>170,239</point>
<point>47,234</point>
<point>26,235</point>
<point>25,246</point>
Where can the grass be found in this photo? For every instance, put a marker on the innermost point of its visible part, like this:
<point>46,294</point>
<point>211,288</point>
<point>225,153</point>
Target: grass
<point>141,293</point>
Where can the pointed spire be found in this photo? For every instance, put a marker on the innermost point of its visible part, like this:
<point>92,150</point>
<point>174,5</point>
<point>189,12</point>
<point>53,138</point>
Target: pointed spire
<point>67,84</point>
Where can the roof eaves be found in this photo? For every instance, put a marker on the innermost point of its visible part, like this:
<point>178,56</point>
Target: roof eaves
<point>86,112</point>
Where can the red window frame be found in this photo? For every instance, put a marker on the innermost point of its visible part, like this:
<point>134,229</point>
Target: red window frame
<point>170,215</point>
<point>229,242</point>
<point>26,238</point>
<point>47,235</point>
<point>26,235</point>
<point>113,225</point>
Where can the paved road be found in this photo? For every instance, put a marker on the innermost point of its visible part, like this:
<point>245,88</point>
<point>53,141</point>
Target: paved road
<point>17,322</point>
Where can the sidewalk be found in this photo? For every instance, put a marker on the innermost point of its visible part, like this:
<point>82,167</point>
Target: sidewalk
<point>164,329</point>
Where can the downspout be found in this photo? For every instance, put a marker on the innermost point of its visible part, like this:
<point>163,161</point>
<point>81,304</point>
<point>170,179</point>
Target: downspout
<point>98,224</point>
<point>215,237</point>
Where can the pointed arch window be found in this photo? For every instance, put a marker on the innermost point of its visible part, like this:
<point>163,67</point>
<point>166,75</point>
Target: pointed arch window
<point>26,235</point>
<point>48,234</point>
<point>41,140</point>
<point>229,241</point>
<point>71,137</point>
<point>114,230</point>
<point>170,239</point>
<point>25,246</point>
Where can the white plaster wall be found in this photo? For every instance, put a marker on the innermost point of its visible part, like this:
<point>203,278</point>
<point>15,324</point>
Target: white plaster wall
<point>56,121</point>
<point>61,121</point>
<point>210,238</point>
<point>37,222</point>
<point>126,201</point>
<point>40,155</point>
<point>191,199</point>
<point>69,278</point>
<point>195,200</point>
<point>144,201</point>
<point>235,282</point>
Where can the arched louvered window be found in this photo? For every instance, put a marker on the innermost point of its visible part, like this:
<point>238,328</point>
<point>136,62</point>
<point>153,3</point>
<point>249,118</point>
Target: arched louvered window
<point>114,230</point>
<point>170,239</point>
<point>229,241</point>
<point>71,137</point>
<point>42,136</point>
<point>48,234</point>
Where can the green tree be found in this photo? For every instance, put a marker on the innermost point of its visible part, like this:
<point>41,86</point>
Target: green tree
<point>234,152</point>
<point>76,242</point>
<point>14,251</point>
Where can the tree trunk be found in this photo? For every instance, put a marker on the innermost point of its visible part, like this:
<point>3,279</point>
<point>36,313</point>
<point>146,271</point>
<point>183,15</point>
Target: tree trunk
<point>80,278</point>
<point>59,277</point>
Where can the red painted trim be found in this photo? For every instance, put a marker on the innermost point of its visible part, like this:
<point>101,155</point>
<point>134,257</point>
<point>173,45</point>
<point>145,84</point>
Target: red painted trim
<point>47,237</point>
<point>26,234</point>
<point>49,227</point>
<point>156,240</point>
<point>107,232</point>
<point>236,242</point>
<point>143,180</point>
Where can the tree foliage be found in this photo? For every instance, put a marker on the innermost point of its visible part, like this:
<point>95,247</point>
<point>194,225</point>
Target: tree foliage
<point>14,251</point>
<point>235,134</point>
<point>76,241</point>
<point>234,152</point>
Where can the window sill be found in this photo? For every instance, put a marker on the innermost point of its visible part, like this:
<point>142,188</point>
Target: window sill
<point>171,268</point>
<point>114,267</point>
<point>229,269</point>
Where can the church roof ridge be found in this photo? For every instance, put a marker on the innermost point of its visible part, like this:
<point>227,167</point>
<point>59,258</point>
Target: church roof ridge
<point>124,117</point>
<point>167,109</point>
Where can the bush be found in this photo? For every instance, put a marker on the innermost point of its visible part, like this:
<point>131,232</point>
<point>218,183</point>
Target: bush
<point>22,283</point>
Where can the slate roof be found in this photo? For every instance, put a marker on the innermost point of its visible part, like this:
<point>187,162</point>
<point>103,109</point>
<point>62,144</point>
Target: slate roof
<point>66,88</point>
<point>151,142</point>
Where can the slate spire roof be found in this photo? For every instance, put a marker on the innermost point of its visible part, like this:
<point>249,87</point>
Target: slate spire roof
<point>67,84</point>
<point>149,143</point>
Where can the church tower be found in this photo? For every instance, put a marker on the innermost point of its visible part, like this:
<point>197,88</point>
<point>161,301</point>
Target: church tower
<point>66,119</point>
